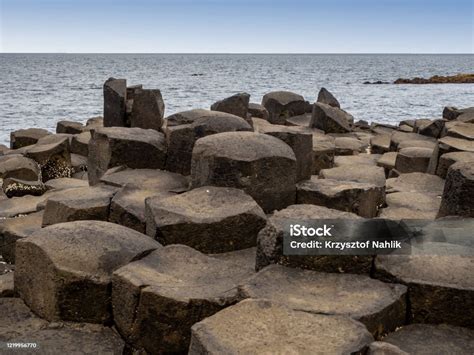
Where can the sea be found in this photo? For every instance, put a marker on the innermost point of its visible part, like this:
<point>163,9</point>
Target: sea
<point>37,90</point>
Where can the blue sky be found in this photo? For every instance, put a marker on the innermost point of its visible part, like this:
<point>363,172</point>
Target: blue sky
<point>238,26</point>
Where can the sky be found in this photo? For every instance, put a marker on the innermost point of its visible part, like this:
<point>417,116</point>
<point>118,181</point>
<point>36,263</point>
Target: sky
<point>237,26</point>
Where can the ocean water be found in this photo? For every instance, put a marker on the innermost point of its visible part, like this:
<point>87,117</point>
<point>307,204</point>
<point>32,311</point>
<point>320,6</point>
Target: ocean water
<point>37,90</point>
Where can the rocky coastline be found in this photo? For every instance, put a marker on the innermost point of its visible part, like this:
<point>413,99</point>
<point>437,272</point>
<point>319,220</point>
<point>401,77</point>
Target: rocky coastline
<point>137,233</point>
<point>436,79</point>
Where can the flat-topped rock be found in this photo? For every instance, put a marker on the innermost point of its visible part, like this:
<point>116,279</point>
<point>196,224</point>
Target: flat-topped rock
<point>260,326</point>
<point>63,272</point>
<point>363,159</point>
<point>330,119</point>
<point>299,121</point>
<point>325,97</point>
<point>448,159</point>
<point>147,110</point>
<point>127,207</point>
<point>416,143</point>
<point>426,339</point>
<point>176,281</point>
<point>300,141</point>
<point>199,123</point>
<point>65,183</point>
<point>25,137</point>
<point>416,182</point>
<point>382,348</point>
<point>363,199</point>
<point>447,145</point>
<point>380,144</point>
<point>349,146</point>
<point>54,158</point>
<point>270,242</point>
<point>69,127</point>
<point>324,150</point>
<point>242,259</point>
<point>115,96</point>
<point>146,179</point>
<point>398,137</point>
<point>356,173</point>
<point>19,324</point>
<point>237,104</point>
<point>461,130</point>
<point>209,219</point>
<point>135,148</point>
<point>282,105</point>
<point>16,206</point>
<point>19,167</point>
<point>14,229</point>
<point>458,194</point>
<point>436,275</point>
<point>381,307</point>
<point>411,160</point>
<point>416,201</point>
<point>398,213</point>
<point>387,161</point>
<point>83,203</point>
<point>263,166</point>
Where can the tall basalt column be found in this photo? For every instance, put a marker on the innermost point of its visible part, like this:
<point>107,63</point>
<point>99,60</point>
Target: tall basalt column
<point>115,97</point>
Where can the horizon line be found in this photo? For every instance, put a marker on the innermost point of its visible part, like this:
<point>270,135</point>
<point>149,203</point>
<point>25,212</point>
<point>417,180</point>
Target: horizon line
<point>255,53</point>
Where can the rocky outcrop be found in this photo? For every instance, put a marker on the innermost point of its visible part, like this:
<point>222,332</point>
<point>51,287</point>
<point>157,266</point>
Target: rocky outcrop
<point>282,105</point>
<point>458,191</point>
<point>263,166</point>
<point>330,119</point>
<point>439,79</point>
<point>325,97</point>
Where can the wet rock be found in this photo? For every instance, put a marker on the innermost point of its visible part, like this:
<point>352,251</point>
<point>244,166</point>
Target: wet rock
<point>458,194</point>
<point>21,325</point>
<point>324,150</point>
<point>135,148</point>
<point>450,113</point>
<point>300,141</point>
<point>237,105</point>
<point>115,95</point>
<point>448,145</point>
<point>436,274</point>
<point>379,306</point>
<point>325,97</point>
<point>63,272</point>
<point>209,219</point>
<point>157,299</point>
<point>356,173</point>
<point>264,326</point>
<point>431,339</point>
<point>199,123</point>
<point>282,105</point>
<point>380,144</point>
<point>80,143</point>
<point>148,109</point>
<point>448,159</point>
<point>14,229</point>
<point>25,137</point>
<point>17,188</point>
<point>416,182</point>
<point>259,111</point>
<point>84,203</point>
<point>263,166</point>
<point>411,160</point>
<point>360,198</point>
<point>69,127</point>
<point>349,146</point>
<point>19,167</point>
<point>53,158</point>
<point>330,119</point>
<point>270,242</point>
